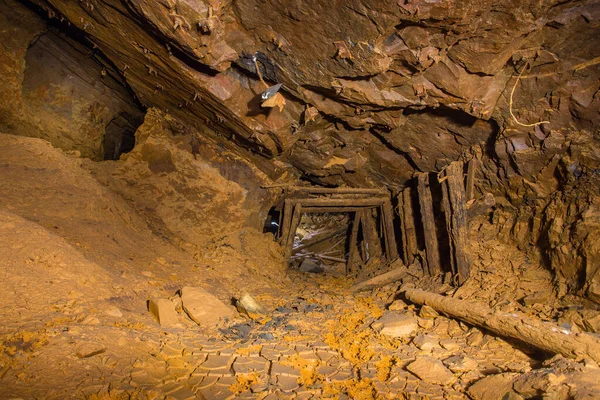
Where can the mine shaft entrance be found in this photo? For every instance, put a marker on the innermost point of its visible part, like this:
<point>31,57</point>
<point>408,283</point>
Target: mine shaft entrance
<point>360,220</point>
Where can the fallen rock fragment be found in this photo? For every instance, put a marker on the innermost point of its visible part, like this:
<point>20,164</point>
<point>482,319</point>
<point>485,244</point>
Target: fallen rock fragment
<point>432,370</point>
<point>163,310</point>
<point>397,305</point>
<point>493,387</point>
<point>250,306</point>
<point>396,325</point>
<point>460,364</point>
<point>428,312</point>
<point>202,307</point>
<point>426,342</point>
<point>311,267</point>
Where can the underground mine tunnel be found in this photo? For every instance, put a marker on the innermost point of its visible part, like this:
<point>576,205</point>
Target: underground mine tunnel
<point>299,199</point>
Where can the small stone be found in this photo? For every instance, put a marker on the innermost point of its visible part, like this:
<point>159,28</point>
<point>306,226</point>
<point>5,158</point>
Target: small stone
<point>475,338</point>
<point>432,370</point>
<point>249,305</point>
<point>397,305</point>
<point>460,364</point>
<point>310,266</point>
<point>449,344</point>
<point>163,310</point>
<point>426,342</point>
<point>428,312</point>
<point>494,387</point>
<point>425,323</point>
<point>202,307</point>
<point>397,325</point>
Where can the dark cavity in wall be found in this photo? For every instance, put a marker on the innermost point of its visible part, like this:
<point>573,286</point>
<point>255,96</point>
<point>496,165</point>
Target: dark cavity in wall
<point>80,97</point>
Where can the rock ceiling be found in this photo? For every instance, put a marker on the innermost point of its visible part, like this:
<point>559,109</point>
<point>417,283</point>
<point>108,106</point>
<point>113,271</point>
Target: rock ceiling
<point>373,90</point>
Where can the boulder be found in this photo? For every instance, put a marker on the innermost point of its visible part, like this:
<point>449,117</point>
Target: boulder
<point>163,310</point>
<point>202,307</point>
<point>432,370</point>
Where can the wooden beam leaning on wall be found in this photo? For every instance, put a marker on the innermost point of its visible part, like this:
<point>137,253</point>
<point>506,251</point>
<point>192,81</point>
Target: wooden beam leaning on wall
<point>432,250</point>
<point>387,216</point>
<point>455,209</point>
<point>407,226</point>
<point>353,244</point>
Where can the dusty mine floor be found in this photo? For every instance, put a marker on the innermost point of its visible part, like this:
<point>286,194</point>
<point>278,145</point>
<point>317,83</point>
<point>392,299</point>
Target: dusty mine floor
<point>80,264</point>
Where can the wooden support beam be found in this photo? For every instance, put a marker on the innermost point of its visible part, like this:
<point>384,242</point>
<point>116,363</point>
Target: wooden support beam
<point>542,335</point>
<point>353,244</point>
<point>387,215</point>
<point>326,202</point>
<point>370,235</point>
<point>317,210</point>
<point>456,215</point>
<point>321,190</point>
<point>470,185</point>
<point>432,251</point>
<point>398,272</point>
<point>286,221</point>
<point>289,243</point>
<point>407,226</point>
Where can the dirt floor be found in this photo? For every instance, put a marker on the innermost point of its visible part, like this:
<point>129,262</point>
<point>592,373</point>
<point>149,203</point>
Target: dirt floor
<point>80,263</point>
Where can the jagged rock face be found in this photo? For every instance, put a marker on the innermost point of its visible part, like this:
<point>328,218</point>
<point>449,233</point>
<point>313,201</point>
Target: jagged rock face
<point>398,86</point>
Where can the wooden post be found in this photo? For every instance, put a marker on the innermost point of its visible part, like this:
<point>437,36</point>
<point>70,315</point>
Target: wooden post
<point>286,221</point>
<point>353,245</point>
<point>289,243</point>
<point>407,226</point>
<point>448,217</point>
<point>470,186</point>
<point>387,215</point>
<point>432,250</point>
<point>369,230</point>
<point>456,215</point>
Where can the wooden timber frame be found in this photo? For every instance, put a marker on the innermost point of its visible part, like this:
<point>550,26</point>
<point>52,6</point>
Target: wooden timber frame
<point>360,202</point>
<point>458,207</point>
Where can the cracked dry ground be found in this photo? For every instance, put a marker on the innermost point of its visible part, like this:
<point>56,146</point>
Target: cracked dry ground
<point>80,264</point>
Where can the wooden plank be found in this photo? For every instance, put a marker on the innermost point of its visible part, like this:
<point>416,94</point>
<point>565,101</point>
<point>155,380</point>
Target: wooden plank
<point>353,244</point>
<point>286,221</point>
<point>407,225</point>
<point>432,251</point>
<point>470,185</point>
<point>322,190</point>
<point>458,212</point>
<point>317,210</point>
<point>398,272</point>
<point>387,215</point>
<point>370,235</point>
<point>448,217</point>
<point>326,202</point>
<point>289,244</point>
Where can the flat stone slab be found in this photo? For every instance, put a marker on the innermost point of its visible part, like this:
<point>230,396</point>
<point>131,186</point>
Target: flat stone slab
<point>432,370</point>
<point>203,307</point>
<point>397,325</point>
